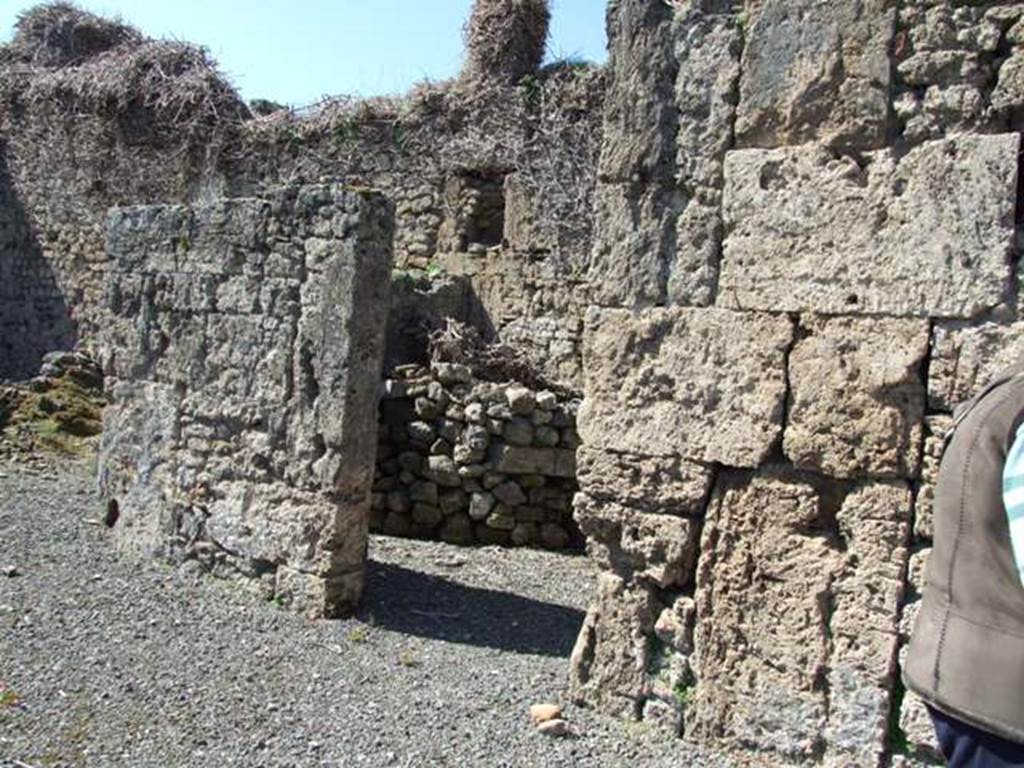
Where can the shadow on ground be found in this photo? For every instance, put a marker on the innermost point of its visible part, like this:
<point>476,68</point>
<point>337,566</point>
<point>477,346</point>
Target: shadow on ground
<point>420,604</point>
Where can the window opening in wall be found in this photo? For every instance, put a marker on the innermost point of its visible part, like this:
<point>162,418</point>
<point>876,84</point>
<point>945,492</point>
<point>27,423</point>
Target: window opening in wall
<point>477,200</point>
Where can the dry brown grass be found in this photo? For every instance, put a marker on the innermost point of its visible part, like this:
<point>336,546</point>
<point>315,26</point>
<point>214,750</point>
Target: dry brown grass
<point>506,39</point>
<point>61,34</point>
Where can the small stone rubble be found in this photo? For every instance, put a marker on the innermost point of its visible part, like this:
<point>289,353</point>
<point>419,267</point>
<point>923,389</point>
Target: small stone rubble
<point>472,462</point>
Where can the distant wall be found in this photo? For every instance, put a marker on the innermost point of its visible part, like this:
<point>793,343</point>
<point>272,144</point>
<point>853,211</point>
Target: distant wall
<point>247,341</point>
<point>34,315</point>
<point>474,462</point>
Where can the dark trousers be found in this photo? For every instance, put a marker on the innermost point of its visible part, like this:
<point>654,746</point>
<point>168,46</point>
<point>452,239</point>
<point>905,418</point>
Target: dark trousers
<point>965,746</point>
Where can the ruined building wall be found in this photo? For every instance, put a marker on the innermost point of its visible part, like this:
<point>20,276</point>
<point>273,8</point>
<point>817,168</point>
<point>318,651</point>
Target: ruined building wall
<point>34,316</point>
<point>491,181</point>
<point>247,340</point>
<point>805,257</point>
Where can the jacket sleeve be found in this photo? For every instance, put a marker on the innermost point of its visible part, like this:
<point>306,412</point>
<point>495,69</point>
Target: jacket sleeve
<point>1013,498</point>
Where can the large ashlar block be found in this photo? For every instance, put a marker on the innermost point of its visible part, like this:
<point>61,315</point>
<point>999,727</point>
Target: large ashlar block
<point>634,237</point>
<point>806,579</point>
<point>857,397</point>
<point>866,596</point>
<point>656,549</point>
<point>816,71</point>
<point>707,49</point>
<point>706,385</point>
<point>639,117</point>
<point>665,485</point>
<point>609,663</point>
<point>965,358</point>
<point>246,347</point>
<point>928,234</point>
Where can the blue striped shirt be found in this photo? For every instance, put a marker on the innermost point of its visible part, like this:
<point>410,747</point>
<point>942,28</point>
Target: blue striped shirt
<point>1013,498</point>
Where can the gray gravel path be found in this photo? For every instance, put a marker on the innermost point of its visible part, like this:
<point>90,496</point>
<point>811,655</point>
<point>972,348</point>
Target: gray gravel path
<point>116,662</point>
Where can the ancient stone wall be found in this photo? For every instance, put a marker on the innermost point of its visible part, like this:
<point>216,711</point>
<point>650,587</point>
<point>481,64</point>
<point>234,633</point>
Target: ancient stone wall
<point>474,462</point>
<point>246,349</point>
<point>479,168</point>
<point>34,316</point>
<point>805,256</point>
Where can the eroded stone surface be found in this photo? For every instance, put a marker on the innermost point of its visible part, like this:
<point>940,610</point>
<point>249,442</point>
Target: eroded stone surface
<point>609,662</point>
<point>957,67</point>
<point>246,350</point>
<point>927,234</point>
<point>658,549</point>
<point>775,577</point>
<point>662,484</point>
<point>763,578</point>
<point>857,397</point>
<point>815,70</point>
<point>966,358</point>
<point>924,506</point>
<point>705,385</point>
<point>874,523</point>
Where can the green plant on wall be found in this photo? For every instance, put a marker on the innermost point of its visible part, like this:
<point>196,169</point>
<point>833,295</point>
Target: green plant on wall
<point>530,91</point>
<point>345,132</point>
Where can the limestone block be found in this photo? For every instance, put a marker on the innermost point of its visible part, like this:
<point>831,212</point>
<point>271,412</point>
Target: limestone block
<point>915,722</point>
<point>663,484</point>
<point>141,429</point>
<point>707,49</point>
<point>704,385</point>
<point>659,549</point>
<point>965,358</point>
<point>866,596</point>
<point>634,237</point>
<point>857,397</point>
<point>608,666</point>
<point>935,429</point>
<point>763,586</point>
<point>781,608</point>
<point>518,460</point>
<point>815,71</point>
<point>639,114</point>
<point>927,234</point>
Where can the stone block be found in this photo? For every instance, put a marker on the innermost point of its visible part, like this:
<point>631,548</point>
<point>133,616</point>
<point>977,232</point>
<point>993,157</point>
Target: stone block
<point>763,578</point>
<point>816,71</point>
<point>640,119</point>
<point>866,597</point>
<point>704,385</point>
<point>927,234</point>
<point>657,549</point>
<point>608,666</point>
<point>965,358</point>
<point>857,397</point>
<point>518,460</point>
<point>915,722</point>
<point>664,484</point>
<point>634,238</point>
<point>924,507</point>
<point>809,608</point>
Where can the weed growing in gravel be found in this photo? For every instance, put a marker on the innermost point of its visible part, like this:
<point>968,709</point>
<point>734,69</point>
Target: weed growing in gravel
<point>8,697</point>
<point>407,659</point>
<point>358,635</point>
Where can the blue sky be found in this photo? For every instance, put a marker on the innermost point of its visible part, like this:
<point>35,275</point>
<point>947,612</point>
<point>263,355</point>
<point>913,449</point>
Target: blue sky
<point>295,51</point>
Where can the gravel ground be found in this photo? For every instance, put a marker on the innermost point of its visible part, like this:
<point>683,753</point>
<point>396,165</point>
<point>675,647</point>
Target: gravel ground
<point>115,662</point>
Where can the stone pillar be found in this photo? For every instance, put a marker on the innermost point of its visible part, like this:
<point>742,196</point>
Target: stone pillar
<point>245,358</point>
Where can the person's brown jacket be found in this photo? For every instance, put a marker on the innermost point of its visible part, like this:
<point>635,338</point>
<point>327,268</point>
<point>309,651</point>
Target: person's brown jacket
<point>966,656</point>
